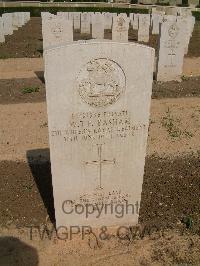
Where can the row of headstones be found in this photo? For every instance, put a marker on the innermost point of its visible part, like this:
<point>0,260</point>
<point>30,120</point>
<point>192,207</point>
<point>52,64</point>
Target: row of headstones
<point>12,21</point>
<point>58,30</point>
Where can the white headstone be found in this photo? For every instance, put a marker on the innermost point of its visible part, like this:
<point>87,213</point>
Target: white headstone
<point>156,20</point>
<point>188,24</point>
<point>97,26</point>
<point>20,18</point>
<point>171,52</point>
<point>63,14</point>
<point>27,16</point>
<point>131,17</point>
<point>2,37</point>
<point>185,11</point>
<point>15,21</point>
<point>7,23</point>
<point>120,29</point>
<point>114,15</point>
<point>85,23</point>
<point>56,30</point>
<point>71,16</point>
<point>77,20</point>
<point>98,127</point>
<point>107,21</point>
<point>135,21</point>
<point>144,25</point>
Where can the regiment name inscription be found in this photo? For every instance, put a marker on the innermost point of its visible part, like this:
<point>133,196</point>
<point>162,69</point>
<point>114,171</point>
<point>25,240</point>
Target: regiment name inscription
<point>91,126</point>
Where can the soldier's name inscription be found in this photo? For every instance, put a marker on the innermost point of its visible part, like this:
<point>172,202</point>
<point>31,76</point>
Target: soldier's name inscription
<point>91,126</point>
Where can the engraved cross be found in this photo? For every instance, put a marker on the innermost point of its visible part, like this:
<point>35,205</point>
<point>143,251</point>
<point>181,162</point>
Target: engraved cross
<point>172,55</point>
<point>100,162</point>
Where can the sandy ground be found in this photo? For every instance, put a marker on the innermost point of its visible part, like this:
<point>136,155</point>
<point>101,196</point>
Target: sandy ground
<point>169,249</point>
<point>30,67</point>
<point>172,121</point>
<point>20,67</point>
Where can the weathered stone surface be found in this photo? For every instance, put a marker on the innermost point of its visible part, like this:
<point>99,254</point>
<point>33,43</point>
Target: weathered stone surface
<point>187,24</point>
<point>71,16</point>
<point>98,117</point>
<point>169,18</point>
<point>144,24</point>
<point>185,11</point>
<point>107,21</point>
<point>77,20</point>
<point>2,37</point>
<point>7,23</point>
<point>156,19</point>
<point>171,53</point>
<point>85,23</point>
<point>63,14</point>
<point>120,28</point>
<point>56,30</point>
<point>97,26</point>
<point>131,17</point>
<point>136,21</point>
<point>15,21</point>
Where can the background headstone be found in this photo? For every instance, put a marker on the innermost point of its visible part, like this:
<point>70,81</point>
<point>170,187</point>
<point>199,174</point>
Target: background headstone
<point>15,21</point>
<point>120,28</point>
<point>85,23</point>
<point>171,52</point>
<point>97,26</point>
<point>188,24</point>
<point>144,25</point>
<point>135,21</point>
<point>63,14</point>
<point>107,21</point>
<point>2,37</point>
<point>56,30</point>
<point>7,23</point>
<point>77,20</point>
<point>156,20</point>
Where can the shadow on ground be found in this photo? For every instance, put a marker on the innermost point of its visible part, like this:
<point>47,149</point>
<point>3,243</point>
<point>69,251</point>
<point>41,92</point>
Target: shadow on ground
<point>15,252</point>
<point>39,163</point>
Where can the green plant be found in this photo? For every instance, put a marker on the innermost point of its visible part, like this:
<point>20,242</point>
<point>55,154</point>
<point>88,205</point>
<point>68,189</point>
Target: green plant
<point>188,222</point>
<point>168,122</point>
<point>184,78</point>
<point>3,55</point>
<point>196,14</point>
<point>172,126</point>
<point>30,90</point>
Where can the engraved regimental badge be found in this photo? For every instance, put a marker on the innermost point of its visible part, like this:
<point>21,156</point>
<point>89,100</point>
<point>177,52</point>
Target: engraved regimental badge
<point>173,31</point>
<point>101,82</point>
